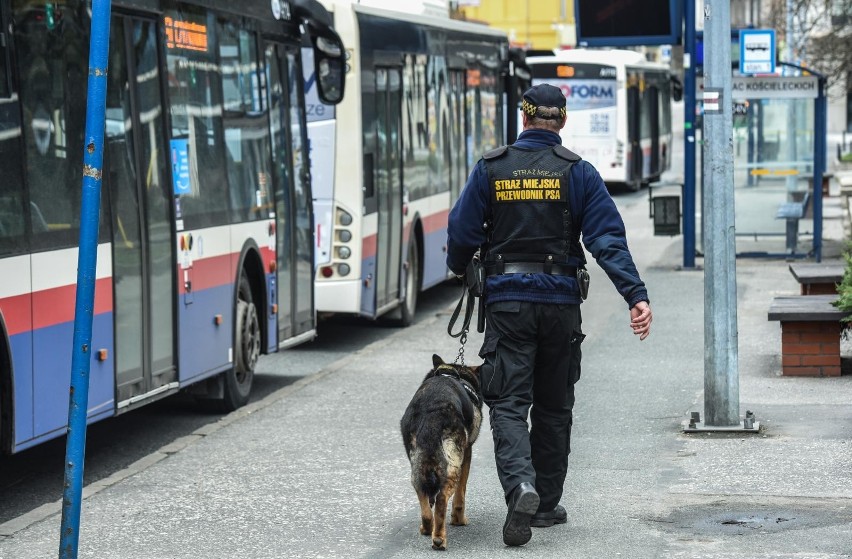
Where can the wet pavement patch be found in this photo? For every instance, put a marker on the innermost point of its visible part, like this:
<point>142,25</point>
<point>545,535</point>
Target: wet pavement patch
<point>740,518</point>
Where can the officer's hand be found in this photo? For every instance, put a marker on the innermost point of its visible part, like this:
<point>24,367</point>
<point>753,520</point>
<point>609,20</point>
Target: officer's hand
<point>640,319</point>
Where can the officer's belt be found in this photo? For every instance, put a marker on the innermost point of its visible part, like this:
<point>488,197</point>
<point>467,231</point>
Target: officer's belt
<point>497,269</point>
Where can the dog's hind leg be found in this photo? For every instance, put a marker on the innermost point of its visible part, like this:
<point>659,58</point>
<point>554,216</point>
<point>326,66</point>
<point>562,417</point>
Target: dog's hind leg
<point>458,518</point>
<point>439,528</point>
<point>425,514</point>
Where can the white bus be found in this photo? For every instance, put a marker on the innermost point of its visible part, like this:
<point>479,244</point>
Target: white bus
<point>619,110</point>
<point>425,99</point>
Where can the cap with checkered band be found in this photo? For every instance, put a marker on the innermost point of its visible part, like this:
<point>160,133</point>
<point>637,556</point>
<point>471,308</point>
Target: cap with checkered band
<point>543,95</point>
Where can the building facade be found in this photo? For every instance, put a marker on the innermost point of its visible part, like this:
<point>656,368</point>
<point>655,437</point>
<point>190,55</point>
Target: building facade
<point>537,24</point>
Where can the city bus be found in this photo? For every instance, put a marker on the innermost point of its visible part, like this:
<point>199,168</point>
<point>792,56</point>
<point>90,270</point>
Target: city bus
<point>619,110</point>
<point>425,100</point>
<point>205,254</point>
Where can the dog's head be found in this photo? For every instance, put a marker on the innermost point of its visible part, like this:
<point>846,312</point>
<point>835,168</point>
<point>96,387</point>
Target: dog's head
<point>463,372</point>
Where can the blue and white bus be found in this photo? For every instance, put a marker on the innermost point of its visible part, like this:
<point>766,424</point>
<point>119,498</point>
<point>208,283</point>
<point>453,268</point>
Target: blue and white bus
<point>619,110</point>
<point>205,256</point>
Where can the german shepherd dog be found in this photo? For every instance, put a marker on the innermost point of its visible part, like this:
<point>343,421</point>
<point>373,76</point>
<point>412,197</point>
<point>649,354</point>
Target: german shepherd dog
<point>439,428</point>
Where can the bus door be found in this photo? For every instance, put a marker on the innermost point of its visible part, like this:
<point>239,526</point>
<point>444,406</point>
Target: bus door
<point>653,107</point>
<point>388,180</point>
<point>143,251</point>
<point>293,196</point>
<point>634,116</point>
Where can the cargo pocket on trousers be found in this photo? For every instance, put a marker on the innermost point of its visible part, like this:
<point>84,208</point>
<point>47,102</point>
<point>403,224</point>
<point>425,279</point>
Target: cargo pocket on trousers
<point>576,342</point>
<point>491,385</point>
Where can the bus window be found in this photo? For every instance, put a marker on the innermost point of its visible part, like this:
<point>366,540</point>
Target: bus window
<point>439,136</point>
<point>4,66</point>
<point>484,110</point>
<point>246,126</point>
<point>195,94</point>
<point>458,168</point>
<point>415,131</point>
<point>50,51</point>
<point>12,215</point>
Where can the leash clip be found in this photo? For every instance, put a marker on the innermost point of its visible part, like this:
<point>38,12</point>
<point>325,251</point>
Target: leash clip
<point>460,357</point>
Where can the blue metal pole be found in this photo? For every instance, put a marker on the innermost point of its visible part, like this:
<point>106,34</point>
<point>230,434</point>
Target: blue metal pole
<point>86,272</point>
<point>689,135</point>
<point>820,132</point>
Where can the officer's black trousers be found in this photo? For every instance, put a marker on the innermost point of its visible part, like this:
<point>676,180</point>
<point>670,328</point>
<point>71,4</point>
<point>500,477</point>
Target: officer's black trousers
<point>532,358</point>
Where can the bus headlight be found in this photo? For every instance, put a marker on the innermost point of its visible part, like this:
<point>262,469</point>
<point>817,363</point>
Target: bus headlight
<point>344,252</point>
<point>343,218</point>
<point>343,269</point>
<point>344,235</point>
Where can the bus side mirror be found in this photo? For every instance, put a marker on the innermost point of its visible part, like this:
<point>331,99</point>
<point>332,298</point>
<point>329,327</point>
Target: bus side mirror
<point>330,67</point>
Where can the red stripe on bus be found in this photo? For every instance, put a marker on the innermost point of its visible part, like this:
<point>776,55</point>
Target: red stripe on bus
<point>16,313</point>
<point>368,247</point>
<point>268,257</point>
<point>206,273</point>
<point>56,306</point>
<point>436,221</point>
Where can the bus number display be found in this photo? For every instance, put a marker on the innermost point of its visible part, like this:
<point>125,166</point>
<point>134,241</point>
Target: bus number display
<point>185,35</point>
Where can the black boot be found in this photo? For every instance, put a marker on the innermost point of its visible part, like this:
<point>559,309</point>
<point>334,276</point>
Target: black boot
<point>546,519</point>
<point>523,503</point>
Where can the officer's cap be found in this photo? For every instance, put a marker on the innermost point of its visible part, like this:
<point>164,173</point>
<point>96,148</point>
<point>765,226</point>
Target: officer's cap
<point>543,95</point>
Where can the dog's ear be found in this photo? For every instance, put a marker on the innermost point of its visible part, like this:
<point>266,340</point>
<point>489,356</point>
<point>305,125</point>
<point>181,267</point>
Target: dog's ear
<point>436,360</point>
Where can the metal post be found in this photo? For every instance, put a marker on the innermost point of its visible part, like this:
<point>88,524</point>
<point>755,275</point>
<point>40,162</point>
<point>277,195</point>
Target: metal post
<point>792,156</point>
<point>721,375</point>
<point>689,135</point>
<point>86,272</point>
<point>820,133</point>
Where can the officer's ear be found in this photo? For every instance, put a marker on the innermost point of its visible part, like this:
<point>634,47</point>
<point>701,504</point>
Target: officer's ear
<point>564,121</point>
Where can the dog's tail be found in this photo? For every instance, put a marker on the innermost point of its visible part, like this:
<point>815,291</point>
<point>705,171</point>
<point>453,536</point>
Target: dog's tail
<point>430,485</point>
<point>428,473</point>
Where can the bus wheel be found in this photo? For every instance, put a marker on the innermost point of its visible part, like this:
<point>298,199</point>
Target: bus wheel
<point>412,284</point>
<point>634,185</point>
<point>238,380</point>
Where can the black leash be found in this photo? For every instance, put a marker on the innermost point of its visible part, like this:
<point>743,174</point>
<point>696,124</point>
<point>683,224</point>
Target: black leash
<point>468,314</point>
<point>474,287</point>
<point>462,333</point>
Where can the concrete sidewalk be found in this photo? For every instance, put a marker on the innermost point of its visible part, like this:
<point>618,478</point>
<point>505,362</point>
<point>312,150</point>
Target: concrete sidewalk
<point>318,469</point>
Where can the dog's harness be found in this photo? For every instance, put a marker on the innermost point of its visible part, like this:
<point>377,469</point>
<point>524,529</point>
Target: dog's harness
<point>448,371</point>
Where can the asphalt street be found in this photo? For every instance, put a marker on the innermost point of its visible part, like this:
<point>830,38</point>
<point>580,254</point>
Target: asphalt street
<point>317,468</point>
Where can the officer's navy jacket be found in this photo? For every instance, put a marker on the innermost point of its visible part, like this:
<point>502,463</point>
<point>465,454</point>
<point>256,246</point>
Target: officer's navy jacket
<point>601,229</point>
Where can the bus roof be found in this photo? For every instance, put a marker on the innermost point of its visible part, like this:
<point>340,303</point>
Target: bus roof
<point>611,57</point>
<point>433,21</point>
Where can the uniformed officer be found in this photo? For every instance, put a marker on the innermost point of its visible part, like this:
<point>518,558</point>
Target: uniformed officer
<point>536,199</point>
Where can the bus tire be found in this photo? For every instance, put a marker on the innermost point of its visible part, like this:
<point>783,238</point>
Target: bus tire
<point>247,337</point>
<point>412,284</point>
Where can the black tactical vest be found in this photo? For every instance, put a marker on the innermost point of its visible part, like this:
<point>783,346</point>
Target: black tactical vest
<point>531,219</point>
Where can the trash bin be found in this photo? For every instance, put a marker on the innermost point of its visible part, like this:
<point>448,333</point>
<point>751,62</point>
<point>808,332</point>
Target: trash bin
<point>665,210</point>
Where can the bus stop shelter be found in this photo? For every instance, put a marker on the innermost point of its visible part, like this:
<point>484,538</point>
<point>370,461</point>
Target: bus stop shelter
<point>779,144</point>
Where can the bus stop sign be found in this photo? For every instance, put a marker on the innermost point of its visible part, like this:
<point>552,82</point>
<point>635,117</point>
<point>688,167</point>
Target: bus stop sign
<point>757,51</point>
